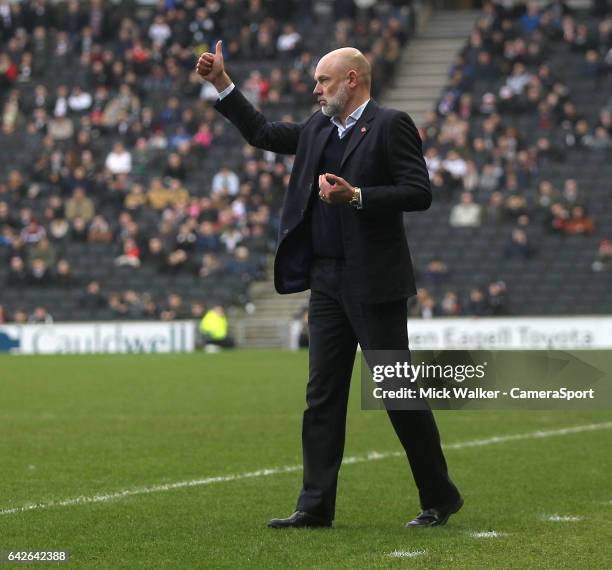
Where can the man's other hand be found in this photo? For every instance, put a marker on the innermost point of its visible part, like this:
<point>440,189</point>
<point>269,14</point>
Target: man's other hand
<point>334,189</point>
<point>211,67</point>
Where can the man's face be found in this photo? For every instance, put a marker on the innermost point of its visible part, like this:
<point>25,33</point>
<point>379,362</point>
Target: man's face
<point>331,88</point>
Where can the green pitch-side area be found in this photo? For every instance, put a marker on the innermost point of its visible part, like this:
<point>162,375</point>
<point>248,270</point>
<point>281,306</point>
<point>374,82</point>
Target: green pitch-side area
<point>159,461</point>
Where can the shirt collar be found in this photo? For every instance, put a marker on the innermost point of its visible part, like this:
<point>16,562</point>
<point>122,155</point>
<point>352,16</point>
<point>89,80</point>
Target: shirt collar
<point>351,119</point>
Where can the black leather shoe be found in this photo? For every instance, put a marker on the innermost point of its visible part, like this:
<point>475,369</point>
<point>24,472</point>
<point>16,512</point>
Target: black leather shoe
<point>435,516</point>
<point>300,519</point>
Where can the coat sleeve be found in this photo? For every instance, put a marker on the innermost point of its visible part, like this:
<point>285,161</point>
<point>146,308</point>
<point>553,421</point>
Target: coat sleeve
<point>411,190</point>
<point>280,137</point>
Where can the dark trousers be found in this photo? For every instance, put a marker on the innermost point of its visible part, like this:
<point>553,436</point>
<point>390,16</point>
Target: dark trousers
<point>337,322</point>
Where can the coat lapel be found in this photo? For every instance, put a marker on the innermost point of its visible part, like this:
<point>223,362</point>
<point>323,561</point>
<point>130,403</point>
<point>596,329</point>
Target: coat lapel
<point>360,129</point>
<point>319,144</point>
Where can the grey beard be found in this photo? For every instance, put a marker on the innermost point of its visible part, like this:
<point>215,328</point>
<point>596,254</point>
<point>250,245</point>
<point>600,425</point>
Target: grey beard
<point>334,108</point>
<point>330,110</point>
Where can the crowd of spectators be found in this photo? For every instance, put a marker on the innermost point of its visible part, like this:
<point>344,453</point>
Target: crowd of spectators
<point>490,172</point>
<point>107,131</point>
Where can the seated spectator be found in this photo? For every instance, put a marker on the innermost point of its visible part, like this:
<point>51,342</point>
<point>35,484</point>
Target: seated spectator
<point>456,168</point>
<point>92,298</point>
<point>8,238</point>
<point>496,299</point>
<point>207,239</point>
<point>99,230</point>
<point>436,271</point>
<point>63,274</point>
<point>570,193</point>
<point>547,195</point>
<point>514,206</point>
<point>440,187</point>
<point>257,240</point>
<point>603,258</point>
<point>519,245</point>
<point>225,182</point>
<point>78,233</point>
<point>6,217</point>
<point>60,129</point>
<point>150,308</point>
<point>154,253</point>
<point>476,305</point>
<point>17,275</point>
<point>175,309</point>
<point>58,229</point>
<point>579,223</point>
<point>242,265</point>
<point>197,311</point>
<point>40,315</point>
<point>79,101</point>
<point>556,218</point>
<point>203,139</point>
<point>134,304</point>
<point>186,235</point>
<point>39,274</point>
<point>466,214</point>
<point>130,256</point>
<point>159,196</point>
<point>136,198</point>
<point>214,328</point>
<point>174,262</point>
<point>32,233</point>
<point>471,178</point>
<point>119,160</point>
<point>175,167</point>
<point>43,250</point>
<point>116,305</point>
<point>231,237</point>
<point>179,196</point>
<point>288,41</point>
<point>159,31</point>
<point>494,212</point>
<point>20,317</point>
<point>424,305</point>
<point>600,140</point>
<point>450,306</point>
<point>79,206</point>
<point>210,266</point>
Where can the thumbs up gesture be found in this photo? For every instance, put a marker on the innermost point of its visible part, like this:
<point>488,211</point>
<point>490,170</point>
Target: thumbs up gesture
<point>210,66</point>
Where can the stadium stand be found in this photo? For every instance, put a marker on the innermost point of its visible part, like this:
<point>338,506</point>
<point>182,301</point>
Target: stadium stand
<point>519,151</point>
<point>123,194</point>
<point>114,163</point>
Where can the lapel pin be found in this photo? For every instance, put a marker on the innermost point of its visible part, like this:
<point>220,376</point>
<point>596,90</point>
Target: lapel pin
<point>363,129</point>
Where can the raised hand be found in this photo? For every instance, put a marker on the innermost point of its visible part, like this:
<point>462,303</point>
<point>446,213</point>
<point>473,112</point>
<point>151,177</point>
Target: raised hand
<point>211,67</point>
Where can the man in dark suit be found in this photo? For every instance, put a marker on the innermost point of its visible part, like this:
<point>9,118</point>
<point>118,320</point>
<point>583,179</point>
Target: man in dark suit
<point>357,168</point>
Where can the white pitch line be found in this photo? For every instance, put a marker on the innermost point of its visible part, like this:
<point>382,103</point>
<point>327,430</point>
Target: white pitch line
<point>372,456</point>
<point>406,553</point>
<point>487,534</point>
<point>563,518</point>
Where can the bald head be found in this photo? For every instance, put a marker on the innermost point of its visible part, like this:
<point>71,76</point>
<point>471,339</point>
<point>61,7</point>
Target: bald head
<point>346,59</point>
<point>343,79</point>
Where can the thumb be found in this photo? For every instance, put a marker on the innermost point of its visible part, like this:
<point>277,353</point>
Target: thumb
<point>218,48</point>
<point>333,179</point>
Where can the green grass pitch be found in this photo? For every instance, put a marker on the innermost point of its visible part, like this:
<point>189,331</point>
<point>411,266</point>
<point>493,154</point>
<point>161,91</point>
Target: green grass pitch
<point>87,426</point>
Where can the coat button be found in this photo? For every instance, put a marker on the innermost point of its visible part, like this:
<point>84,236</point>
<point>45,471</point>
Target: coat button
<point>285,231</point>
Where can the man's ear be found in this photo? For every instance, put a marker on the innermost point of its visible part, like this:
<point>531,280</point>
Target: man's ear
<point>352,77</point>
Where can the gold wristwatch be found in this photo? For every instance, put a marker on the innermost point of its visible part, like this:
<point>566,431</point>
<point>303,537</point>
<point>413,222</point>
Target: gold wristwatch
<point>356,199</point>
